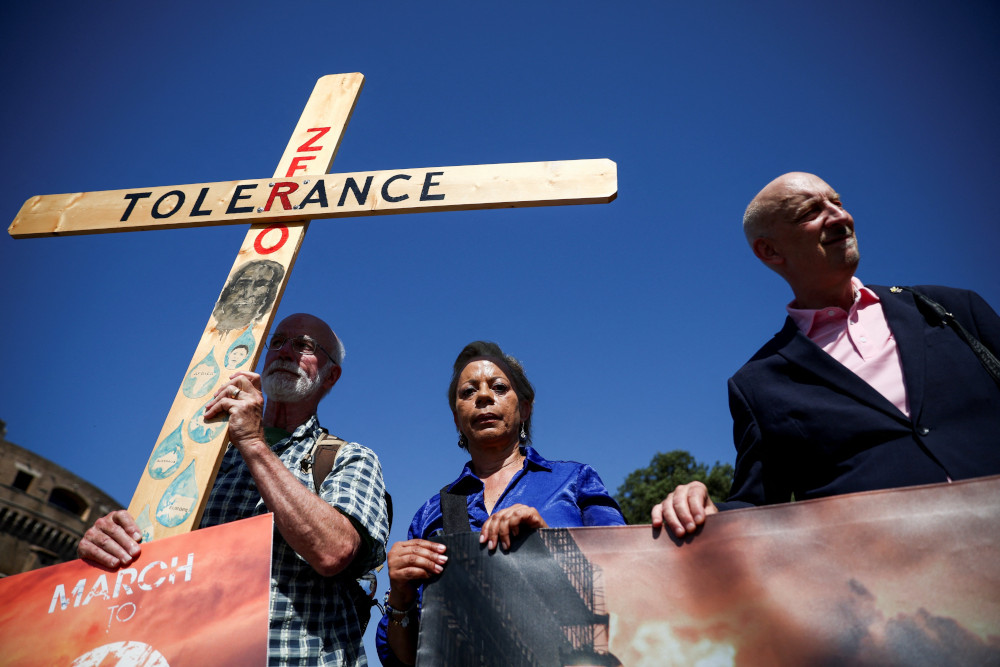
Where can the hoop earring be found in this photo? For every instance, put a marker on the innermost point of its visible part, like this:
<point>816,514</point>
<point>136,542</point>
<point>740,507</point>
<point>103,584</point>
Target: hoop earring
<point>463,442</point>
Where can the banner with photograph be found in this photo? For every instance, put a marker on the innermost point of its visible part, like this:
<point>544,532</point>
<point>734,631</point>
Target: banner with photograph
<point>901,577</point>
<point>188,601</point>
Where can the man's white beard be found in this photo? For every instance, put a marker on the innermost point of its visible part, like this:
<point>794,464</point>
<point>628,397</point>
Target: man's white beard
<point>284,388</point>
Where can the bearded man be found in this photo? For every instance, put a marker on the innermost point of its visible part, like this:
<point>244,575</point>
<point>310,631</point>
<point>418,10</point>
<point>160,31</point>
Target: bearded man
<point>324,538</point>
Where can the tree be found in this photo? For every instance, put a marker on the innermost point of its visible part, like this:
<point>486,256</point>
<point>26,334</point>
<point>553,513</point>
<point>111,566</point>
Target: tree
<point>647,486</point>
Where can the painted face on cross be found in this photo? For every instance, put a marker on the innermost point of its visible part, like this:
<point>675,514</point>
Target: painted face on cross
<point>248,294</point>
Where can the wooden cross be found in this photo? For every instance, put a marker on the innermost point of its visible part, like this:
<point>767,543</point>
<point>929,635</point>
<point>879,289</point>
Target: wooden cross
<point>174,487</point>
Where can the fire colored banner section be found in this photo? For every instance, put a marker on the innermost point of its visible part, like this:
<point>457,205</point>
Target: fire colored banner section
<point>901,577</point>
<point>324,196</point>
<point>191,600</point>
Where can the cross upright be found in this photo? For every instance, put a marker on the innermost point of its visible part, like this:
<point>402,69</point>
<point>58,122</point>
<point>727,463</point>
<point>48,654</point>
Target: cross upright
<point>174,486</point>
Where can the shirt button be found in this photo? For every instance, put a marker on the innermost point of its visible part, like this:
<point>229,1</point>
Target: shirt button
<point>864,339</point>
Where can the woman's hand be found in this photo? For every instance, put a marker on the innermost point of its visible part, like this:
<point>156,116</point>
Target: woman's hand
<point>410,563</point>
<point>508,522</point>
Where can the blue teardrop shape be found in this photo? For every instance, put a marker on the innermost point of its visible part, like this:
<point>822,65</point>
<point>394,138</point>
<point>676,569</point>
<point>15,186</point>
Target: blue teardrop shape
<point>168,455</point>
<point>178,501</point>
<point>145,525</point>
<point>202,431</point>
<point>241,350</point>
<point>202,377</point>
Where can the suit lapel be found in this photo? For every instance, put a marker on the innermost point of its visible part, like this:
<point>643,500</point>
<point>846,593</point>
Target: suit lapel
<point>908,328</point>
<point>798,349</point>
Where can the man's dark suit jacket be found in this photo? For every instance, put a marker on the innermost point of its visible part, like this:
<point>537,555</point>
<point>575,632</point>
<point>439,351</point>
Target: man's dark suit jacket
<point>804,424</point>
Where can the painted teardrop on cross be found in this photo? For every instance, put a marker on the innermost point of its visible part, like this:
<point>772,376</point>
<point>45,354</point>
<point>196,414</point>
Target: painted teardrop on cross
<point>168,455</point>
<point>240,350</point>
<point>202,431</point>
<point>179,499</point>
<point>202,377</point>
<point>145,524</point>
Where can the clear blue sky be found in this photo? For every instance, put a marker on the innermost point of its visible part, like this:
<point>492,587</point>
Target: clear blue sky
<point>628,317</point>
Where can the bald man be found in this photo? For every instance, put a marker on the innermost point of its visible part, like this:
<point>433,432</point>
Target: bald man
<point>324,538</point>
<point>860,390</point>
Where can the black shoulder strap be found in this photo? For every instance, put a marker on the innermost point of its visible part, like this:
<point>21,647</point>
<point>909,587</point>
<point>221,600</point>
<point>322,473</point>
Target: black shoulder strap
<point>454,512</point>
<point>936,314</point>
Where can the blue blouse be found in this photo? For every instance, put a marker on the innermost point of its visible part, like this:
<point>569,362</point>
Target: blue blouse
<point>565,493</point>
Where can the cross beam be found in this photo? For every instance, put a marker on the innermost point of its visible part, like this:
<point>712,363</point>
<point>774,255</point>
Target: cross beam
<point>174,487</point>
<point>329,196</point>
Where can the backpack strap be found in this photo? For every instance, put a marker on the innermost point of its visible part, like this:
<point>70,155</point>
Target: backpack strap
<point>322,457</point>
<point>454,512</point>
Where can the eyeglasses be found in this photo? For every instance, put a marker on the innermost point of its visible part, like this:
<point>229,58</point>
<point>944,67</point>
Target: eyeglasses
<point>300,345</point>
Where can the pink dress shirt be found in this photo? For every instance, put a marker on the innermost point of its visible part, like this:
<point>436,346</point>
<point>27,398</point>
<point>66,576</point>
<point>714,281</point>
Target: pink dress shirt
<point>860,339</point>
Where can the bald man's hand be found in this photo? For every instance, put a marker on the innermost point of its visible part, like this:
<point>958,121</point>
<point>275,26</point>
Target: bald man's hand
<point>684,509</point>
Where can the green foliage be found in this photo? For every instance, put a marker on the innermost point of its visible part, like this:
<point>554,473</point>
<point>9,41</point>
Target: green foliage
<point>648,486</point>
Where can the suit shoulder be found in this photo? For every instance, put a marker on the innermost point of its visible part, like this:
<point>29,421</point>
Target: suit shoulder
<point>953,298</point>
<point>936,292</point>
<point>776,343</point>
<point>943,292</point>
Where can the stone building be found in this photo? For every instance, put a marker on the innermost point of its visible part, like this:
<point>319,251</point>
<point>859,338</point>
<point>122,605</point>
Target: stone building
<point>44,509</point>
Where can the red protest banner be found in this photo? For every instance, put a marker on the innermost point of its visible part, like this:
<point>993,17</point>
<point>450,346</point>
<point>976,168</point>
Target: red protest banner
<point>176,605</point>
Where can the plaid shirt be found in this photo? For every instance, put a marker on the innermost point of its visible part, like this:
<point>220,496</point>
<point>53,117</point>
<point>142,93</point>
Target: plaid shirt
<point>312,618</point>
